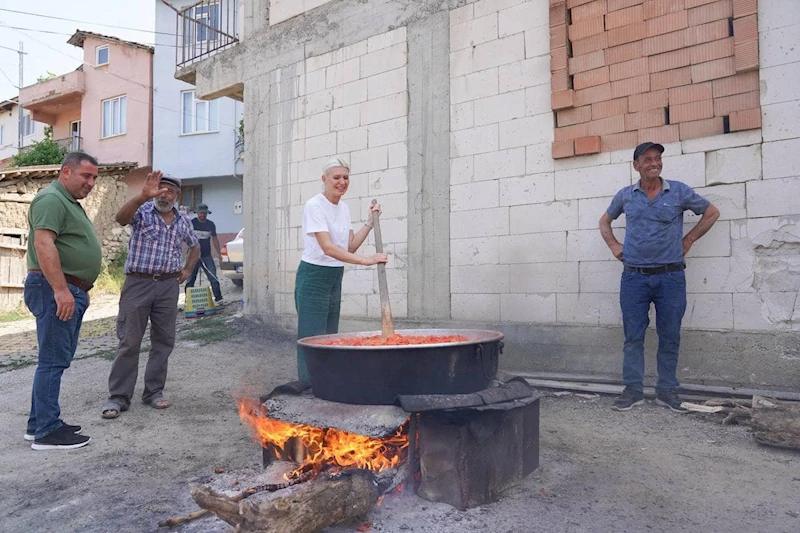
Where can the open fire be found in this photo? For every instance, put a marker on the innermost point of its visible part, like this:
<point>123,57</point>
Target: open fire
<point>323,448</point>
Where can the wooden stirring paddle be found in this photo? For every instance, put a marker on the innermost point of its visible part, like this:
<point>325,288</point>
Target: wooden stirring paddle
<point>387,324</point>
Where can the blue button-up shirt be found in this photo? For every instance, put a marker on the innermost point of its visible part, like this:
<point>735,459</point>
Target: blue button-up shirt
<point>155,247</point>
<point>654,228</point>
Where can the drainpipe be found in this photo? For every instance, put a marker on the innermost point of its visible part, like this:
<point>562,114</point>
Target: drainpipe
<point>150,110</point>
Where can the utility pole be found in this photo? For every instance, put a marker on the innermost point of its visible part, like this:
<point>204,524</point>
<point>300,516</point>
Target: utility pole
<point>22,54</point>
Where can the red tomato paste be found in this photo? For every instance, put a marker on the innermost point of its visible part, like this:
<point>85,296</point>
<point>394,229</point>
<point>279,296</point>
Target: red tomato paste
<point>394,340</point>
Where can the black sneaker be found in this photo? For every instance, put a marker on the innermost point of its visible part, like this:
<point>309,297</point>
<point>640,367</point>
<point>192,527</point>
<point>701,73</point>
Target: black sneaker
<point>670,400</point>
<point>628,400</point>
<point>61,439</point>
<point>31,436</point>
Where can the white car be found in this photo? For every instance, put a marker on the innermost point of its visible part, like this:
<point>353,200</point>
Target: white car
<point>232,264</point>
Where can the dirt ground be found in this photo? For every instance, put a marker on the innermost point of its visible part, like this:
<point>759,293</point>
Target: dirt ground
<point>645,470</point>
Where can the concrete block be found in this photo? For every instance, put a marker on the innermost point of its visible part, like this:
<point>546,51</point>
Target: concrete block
<point>775,197</point>
<point>777,47</point>
<point>538,158</point>
<point>385,40</point>
<point>708,311</point>
<point>689,168</point>
<point>734,165</point>
<point>387,182</point>
<point>461,63</point>
<point>715,243</point>
<point>537,100</point>
<point>716,275</point>
<point>501,107</point>
<point>358,281</point>
<point>480,251</point>
<point>461,169</point>
<point>537,308</point>
<point>729,199</point>
<point>524,16</point>
<point>474,141</point>
<point>774,15</point>
<point>522,74</point>
<point>473,32</point>
<point>524,131</point>
<point>321,146</point>
<point>478,195</point>
<point>370,160</point>
<point>489,279</point>
<point>600,276</point>
<point>318,124</point>
<point>399,303</point>
<point>475,307</point>
<point>394,230</point>
<point>541,218</point>
<point>318,102</point>
<point>593,160</point>
<point>601,181</point>
<point>595,309</point>
<point>318,62</point>
<point>484,7</point>
<point>781,159</point>
<point>764,311</point>
<point>591,209</point>
<point>393,205</point>
<point>499,52</point>
<point>461,15</point>
<point>341,73</point>
<point>387,83</point>
<point>384,108</point>
<point>398,155</point>
<point>346,118</point>
<point>502,164</point>
<point>544,278</point>
<point>531,189</point>
<point>482,223</point>
<point>588,245</point>
<point>388,132</point>
<point>383,60</point>
<point>719,142</point>
<point>534,248</point>
<point>462,116</point>
<point>352,140</point>
<point>346,53</point>
<point>311,82</point>
<point>776,84</point>
<point>473,86</point>
<point>779,121</point>
<point>537,42</point>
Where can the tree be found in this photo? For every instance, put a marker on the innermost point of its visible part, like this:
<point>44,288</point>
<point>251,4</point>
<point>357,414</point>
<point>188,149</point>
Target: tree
<point>48,76</point>
<point>44,152</point>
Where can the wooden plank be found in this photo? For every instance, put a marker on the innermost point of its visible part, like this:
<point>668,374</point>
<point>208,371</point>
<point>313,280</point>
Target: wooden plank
<point>10,246</point>
<point>13,231</point>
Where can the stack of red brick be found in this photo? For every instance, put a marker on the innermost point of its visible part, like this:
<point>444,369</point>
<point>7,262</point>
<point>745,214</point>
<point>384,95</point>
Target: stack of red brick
<point>627,71</point>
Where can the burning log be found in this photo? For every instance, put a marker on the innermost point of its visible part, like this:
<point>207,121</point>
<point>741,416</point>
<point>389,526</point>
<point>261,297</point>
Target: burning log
<point>322,502</point>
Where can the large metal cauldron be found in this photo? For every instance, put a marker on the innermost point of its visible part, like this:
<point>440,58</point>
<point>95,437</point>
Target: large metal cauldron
<point>376,375</point>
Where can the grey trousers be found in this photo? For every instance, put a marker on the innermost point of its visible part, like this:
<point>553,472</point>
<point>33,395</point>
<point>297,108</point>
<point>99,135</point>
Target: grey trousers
<point>143,299</point>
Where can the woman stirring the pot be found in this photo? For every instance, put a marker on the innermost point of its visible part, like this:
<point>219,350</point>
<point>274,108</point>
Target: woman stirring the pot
<point>329,242</point>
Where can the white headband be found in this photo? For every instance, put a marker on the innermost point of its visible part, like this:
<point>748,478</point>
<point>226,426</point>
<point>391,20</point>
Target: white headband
<point>334,162</point>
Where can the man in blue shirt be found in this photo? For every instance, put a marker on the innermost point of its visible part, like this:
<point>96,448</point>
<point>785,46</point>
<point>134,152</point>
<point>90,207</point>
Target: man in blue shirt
<point>206,233</point>
<point>653,256</point>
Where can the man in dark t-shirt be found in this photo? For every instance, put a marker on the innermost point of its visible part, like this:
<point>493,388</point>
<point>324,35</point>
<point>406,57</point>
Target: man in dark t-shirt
<point>206,233</point>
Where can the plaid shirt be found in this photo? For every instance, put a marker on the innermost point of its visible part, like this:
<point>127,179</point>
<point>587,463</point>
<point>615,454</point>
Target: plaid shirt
<point>154,247</point>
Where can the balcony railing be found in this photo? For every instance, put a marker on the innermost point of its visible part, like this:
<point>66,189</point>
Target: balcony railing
<point>71,144</point>
<point>205,28</point>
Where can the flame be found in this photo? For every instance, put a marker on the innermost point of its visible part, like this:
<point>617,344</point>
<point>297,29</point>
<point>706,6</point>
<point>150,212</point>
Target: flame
<point>324,447</point>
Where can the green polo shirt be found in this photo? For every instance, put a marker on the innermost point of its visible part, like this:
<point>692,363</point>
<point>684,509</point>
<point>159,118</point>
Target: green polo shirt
<point>78,248</point>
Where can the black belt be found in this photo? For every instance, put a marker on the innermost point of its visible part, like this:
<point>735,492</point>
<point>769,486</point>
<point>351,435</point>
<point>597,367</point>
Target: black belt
<point>674,267</point>
<point>155,277</point>
<point>72,280</point>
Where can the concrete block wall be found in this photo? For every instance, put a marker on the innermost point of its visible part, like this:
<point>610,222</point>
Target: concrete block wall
<point>350,103</point>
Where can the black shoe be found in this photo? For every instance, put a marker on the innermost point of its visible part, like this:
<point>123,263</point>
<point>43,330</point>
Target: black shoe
<point>670,400</point>
<point>31,436</point>
<point>61,439</point>
<point>628,400</point>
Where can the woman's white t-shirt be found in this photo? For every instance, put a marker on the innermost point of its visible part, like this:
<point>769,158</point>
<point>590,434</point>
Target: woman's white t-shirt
<point>320,214</point>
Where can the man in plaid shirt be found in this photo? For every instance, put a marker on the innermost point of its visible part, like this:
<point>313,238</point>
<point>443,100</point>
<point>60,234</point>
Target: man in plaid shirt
<point>154,272</point>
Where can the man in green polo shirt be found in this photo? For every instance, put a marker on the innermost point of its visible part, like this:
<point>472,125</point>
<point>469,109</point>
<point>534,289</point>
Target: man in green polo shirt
<point>64,258</point>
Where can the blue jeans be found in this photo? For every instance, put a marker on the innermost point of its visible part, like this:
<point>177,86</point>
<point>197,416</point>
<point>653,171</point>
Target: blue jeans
<point>211,273</point>
<point>668,292</point>
<point>58,341</point>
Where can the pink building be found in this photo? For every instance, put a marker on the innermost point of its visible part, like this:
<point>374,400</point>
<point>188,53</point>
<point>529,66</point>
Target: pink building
<point>105,107</point>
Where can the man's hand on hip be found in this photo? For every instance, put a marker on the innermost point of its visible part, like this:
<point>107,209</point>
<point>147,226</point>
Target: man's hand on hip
<point>65,304</point>
<point>687,245</point>
<point>616,249</point>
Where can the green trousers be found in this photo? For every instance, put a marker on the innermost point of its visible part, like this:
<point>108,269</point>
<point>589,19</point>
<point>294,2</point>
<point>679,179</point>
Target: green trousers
<point>318,299</point>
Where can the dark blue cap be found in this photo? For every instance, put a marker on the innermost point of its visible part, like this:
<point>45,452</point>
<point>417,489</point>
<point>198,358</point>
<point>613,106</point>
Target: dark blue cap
<point>642,148</point>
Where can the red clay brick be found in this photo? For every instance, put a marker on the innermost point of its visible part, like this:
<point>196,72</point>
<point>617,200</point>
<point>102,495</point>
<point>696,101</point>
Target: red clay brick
<point>646,119</point>
<point>659,8</point>
<point>704,33</point>
<point>586,28</point>
<point>590,44</point>
<point>586,62</point>
<point>667,24</point>
<point>558,58</point>
<point>749,119</point>
<point>619,141</point>
<point>670,78</point>
<point>561,100</point>
<point>696,3</point>
<point>558,13</point>
<point>711,70</point>
<point>630,86</point>
<point>711,51</point>
<point>609,108</point>
<point>743,8</point>
<point>571,132</point>
<point>559,80</point>
<point>587,11</point>
<point>738,102</point>
<point>664,134</point>
<point>558,36</point>
<point>702,128</point>
<point>645,101</point>
<point>723,9</point>
<point>590,78</point>
<point>627,34</point>
<point>587,145</point>
<point>574,115</point>
<point>691,111</point>
<point>746,56</point>
<point>626,52</point>
<point>616,5</point>
<point>624,17</point>
<point>628,69</point>
<point>606,126</point>
<point>663,43</point>
<point>670,60</point>
<point>745,29</point>
<point>741,83</point>
<point>593,95</point>
<point>562,149</point>
<point>575,3</point>
<point>690,93</point>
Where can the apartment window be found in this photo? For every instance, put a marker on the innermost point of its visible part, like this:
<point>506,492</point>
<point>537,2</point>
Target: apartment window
<point>115,116</point>
<point>191,196</point>
<point>209,16</point>
<point>28,125</point>
<point>198,116</point>
<point>102,55</point>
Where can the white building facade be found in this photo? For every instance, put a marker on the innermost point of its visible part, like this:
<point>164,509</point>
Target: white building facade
<point>9,127</point>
